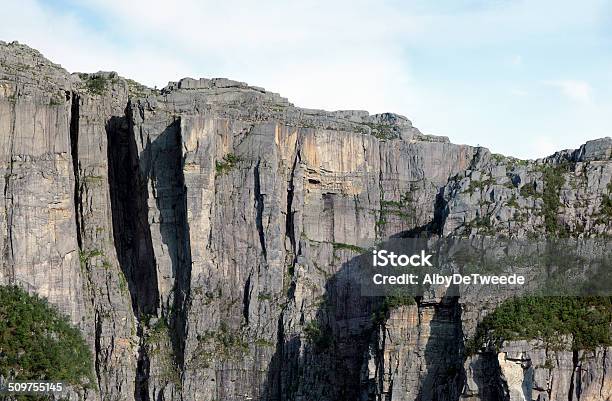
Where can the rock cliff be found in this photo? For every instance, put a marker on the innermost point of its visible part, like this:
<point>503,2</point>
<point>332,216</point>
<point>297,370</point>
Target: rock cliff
<point>204,237</point>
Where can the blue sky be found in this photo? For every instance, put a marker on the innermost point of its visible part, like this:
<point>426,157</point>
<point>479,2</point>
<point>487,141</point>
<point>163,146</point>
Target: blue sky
<point>522,78</point>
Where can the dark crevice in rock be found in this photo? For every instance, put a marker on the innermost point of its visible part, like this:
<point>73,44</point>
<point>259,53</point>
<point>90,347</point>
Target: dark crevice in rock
<point>74,150</point>
<point>131,230</point>
<point>328,212</point>
<point>280,344</point>
<point>605,372</point>
<point>89,285</point>
<point>98,347</point>
<point>259,207</point>
<point>246,300</point>
<point>440,213</point>
<point>132,235</point>
<point>290,225</point>
<point>273,390</point>
<point>379,226</point>
<point>575,379</point>
<point>141,387</point>
<point>8,251</point>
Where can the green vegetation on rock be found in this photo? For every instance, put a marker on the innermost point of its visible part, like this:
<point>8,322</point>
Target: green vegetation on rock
<point>354,248</point>
<point>513,202</point>
<point>221,344</point>
<point>528,190</point>
<point>553,181</point>
<point>158,343</point>
<point>95,84</point>
<point>389,303</point>
<point>320,337</point>
<point>38,343</point>
<point>587,320</point>
<point>228,163</point>
<point>480,185</point>
<point>382,131</point>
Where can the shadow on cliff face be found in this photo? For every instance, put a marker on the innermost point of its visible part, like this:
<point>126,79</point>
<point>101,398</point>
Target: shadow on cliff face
<point>130,173</point>
<point>443,354</point>
<point>325,363</point>
<point>161,165</point>
<point>131,232</point>
<point>129,203</point>
<point>341,356</point>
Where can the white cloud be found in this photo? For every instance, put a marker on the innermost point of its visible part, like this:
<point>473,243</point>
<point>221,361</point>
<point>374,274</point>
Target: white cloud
<point>579,91</point>
<point>65,39</point>
<point>319,54</point>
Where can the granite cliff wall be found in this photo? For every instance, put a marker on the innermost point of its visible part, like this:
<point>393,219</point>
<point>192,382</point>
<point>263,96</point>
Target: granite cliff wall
<point>204,238</point>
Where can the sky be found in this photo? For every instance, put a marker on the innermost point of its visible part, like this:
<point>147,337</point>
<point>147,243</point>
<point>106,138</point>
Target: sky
<point>523,78</point>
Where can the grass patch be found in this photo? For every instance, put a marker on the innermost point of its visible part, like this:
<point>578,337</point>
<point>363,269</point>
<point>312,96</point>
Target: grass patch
<point>158,344</point>
<point>55,101</point>
<point>123,284</point>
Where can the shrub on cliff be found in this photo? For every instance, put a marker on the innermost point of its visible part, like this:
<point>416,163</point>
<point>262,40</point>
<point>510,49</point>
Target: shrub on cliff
<point>39,343</point>
<point>587,320</point>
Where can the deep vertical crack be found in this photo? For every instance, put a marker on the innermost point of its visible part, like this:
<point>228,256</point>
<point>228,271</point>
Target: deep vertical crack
<point>290,226</point>
<point>8,250</point>
<point>570,393</point>
<point>259,207</point>
<point>74,151</point>
<point>246,300</point>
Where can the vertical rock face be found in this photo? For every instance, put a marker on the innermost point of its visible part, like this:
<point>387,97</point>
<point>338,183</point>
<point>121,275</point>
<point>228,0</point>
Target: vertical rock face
<point>205,237</point>
<point>39,240</point>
